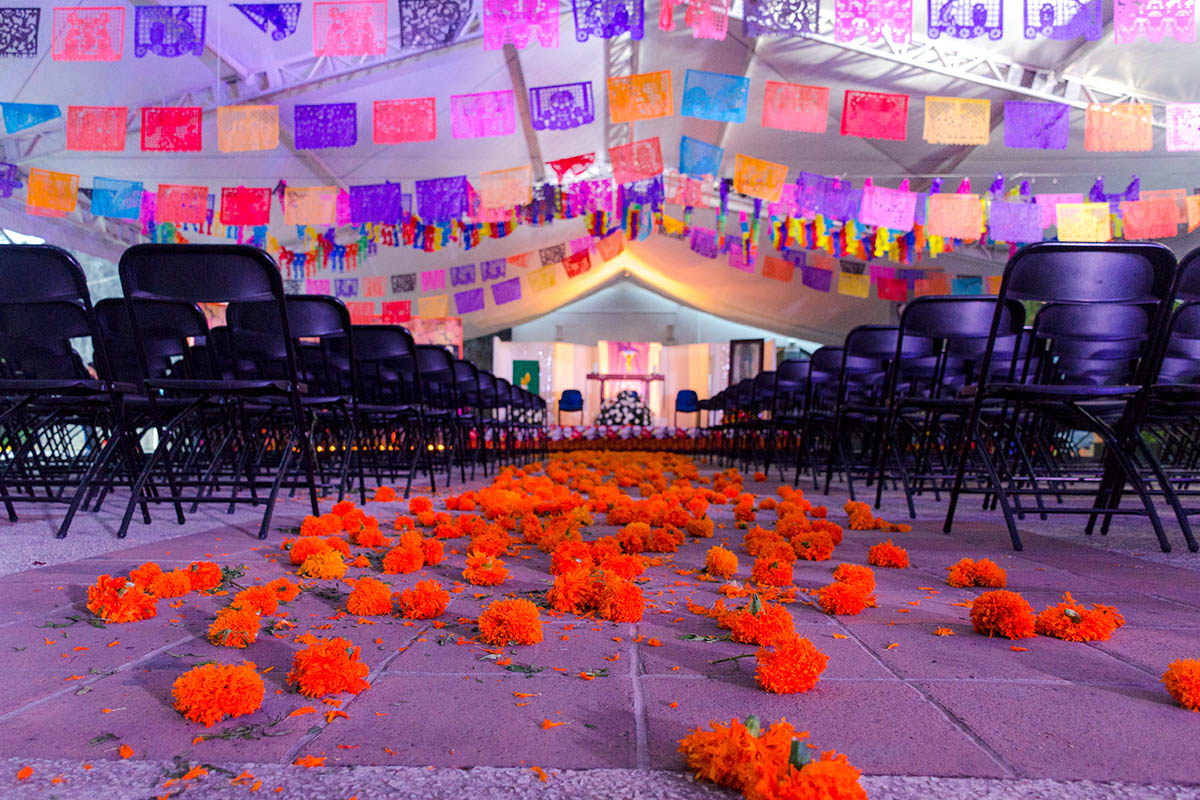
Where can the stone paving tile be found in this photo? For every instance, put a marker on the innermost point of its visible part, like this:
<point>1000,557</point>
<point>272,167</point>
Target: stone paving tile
<point>1078,732</point>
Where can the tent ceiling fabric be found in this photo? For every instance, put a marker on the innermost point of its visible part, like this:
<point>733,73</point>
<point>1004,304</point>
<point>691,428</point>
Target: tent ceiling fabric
<point>1155,71</point>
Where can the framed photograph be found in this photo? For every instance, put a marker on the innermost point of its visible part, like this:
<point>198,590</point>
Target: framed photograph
<point>745,359</point>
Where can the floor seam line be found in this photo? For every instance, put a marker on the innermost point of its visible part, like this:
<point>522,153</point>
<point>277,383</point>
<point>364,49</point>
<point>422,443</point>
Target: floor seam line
<point>640,722</point>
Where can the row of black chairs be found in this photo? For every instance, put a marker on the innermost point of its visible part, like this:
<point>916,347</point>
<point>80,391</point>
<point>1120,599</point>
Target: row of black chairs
<point>1074,388</point>
<point>285,396</point>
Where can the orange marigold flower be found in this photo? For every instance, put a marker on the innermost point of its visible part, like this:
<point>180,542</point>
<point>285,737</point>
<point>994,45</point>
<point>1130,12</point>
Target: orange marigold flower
<point>120,600</point>
<point>731,755</point>
<point>663,540</point>
<point>621,601</point>
<point>829,778</point>
<point>323,566</point>
<point>401,560</point>
<point>434,551</point>
<point>569,556</point>
<point>204,575</point>
<point>234,627</point>
<point>856,574</point>
<point>324,525</point>
<point>342,507</point>
<point>1002,613</point>
<point>384,494</point>
<point>789,665</point>
<point>842,598</point>
<point>284,589</point>
<point>425,600</point>
<point>768,504</point>
<point>1182,680</point>
<point>770,623</point>
<point>769,571</point>
<point>175,583</point>
<point>627,566</point>
<point>984,573</point>
<point>328,666</point>
<point>886,554</point>
<point>720,562</point>
<point>370,597</point>
<point>212,692</point>
<point>832,528</point>
<point>370,537</point>
<point>505,621</point>
<point>573,592</point>
<point>419,505</point>
<point>1071,621</point>
<point>813,545</point>
<point>145,574</point>
<point>339,544</point>
<point>309,545</point>
<point>700,527</point>
<point>484,570</point>
<point>634,537</point>
<point>403,522</point>
<point>261,600</point>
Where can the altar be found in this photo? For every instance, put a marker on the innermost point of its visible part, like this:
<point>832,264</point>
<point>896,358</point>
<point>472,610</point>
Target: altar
<point>629,366</point>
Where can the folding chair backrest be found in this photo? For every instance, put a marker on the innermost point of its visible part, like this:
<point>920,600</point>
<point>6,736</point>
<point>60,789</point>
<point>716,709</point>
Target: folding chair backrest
<point>958,328</point>
<point>201,273</point>
<point>174,337</point>
<point>320,329</point>
<point>44,303</point>
<point>435,366</point>
<point>386,365</point>
<point>466,377</point>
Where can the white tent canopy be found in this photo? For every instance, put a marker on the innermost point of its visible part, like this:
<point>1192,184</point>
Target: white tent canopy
<point>243,65</point>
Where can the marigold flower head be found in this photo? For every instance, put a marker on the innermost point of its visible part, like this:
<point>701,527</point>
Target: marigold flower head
<point>401,560</point>
<point>984,573</point>
<point>505,621</point>
<point>284,589</point>
<point>484,570</point>
<point>857,574</point>
<point>175,583</point>
<point>789,665</point>
<point>1002,613</point>
<point>1182,680</point>
<point>342,508</point>
<point>720,562</point>
<point>306,546</point>
<point>770,623</point>
<point>120,600</point>
<point>212,692</point>
<point>145,574</point>
<point>419,505</point>
<point>842,598</point>
<point>328,666</point>
<point>832,528</point>
<point>886,554</point>
<point>813,545</point>
<point>664,540</point>
<point>574,591</point>
<point>425,600</point>
<point>204,575</point>
<point>323,566</point>
<point>369,537</point>
<point>434,551</point>
<point>829,778</point>
<point>569,556</point>
<point>234,627</point>
<point>700,527</point>
<point>370,597</point>
<point>621,601</point>
<point>338,544</point>
<point>770,571</point>
<point>1071,621</point>
<point>731,755</point>
<point>634,537</point>
<point>384,494</point>
<point>261,600</point>
<point>627,566</point>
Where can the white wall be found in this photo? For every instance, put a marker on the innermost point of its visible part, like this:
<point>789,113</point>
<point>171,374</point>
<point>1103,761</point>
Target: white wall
<point>632,313</point>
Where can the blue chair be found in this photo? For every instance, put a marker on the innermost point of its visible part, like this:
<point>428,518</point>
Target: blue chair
<point>571,400</point>
<point>687,402</point>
